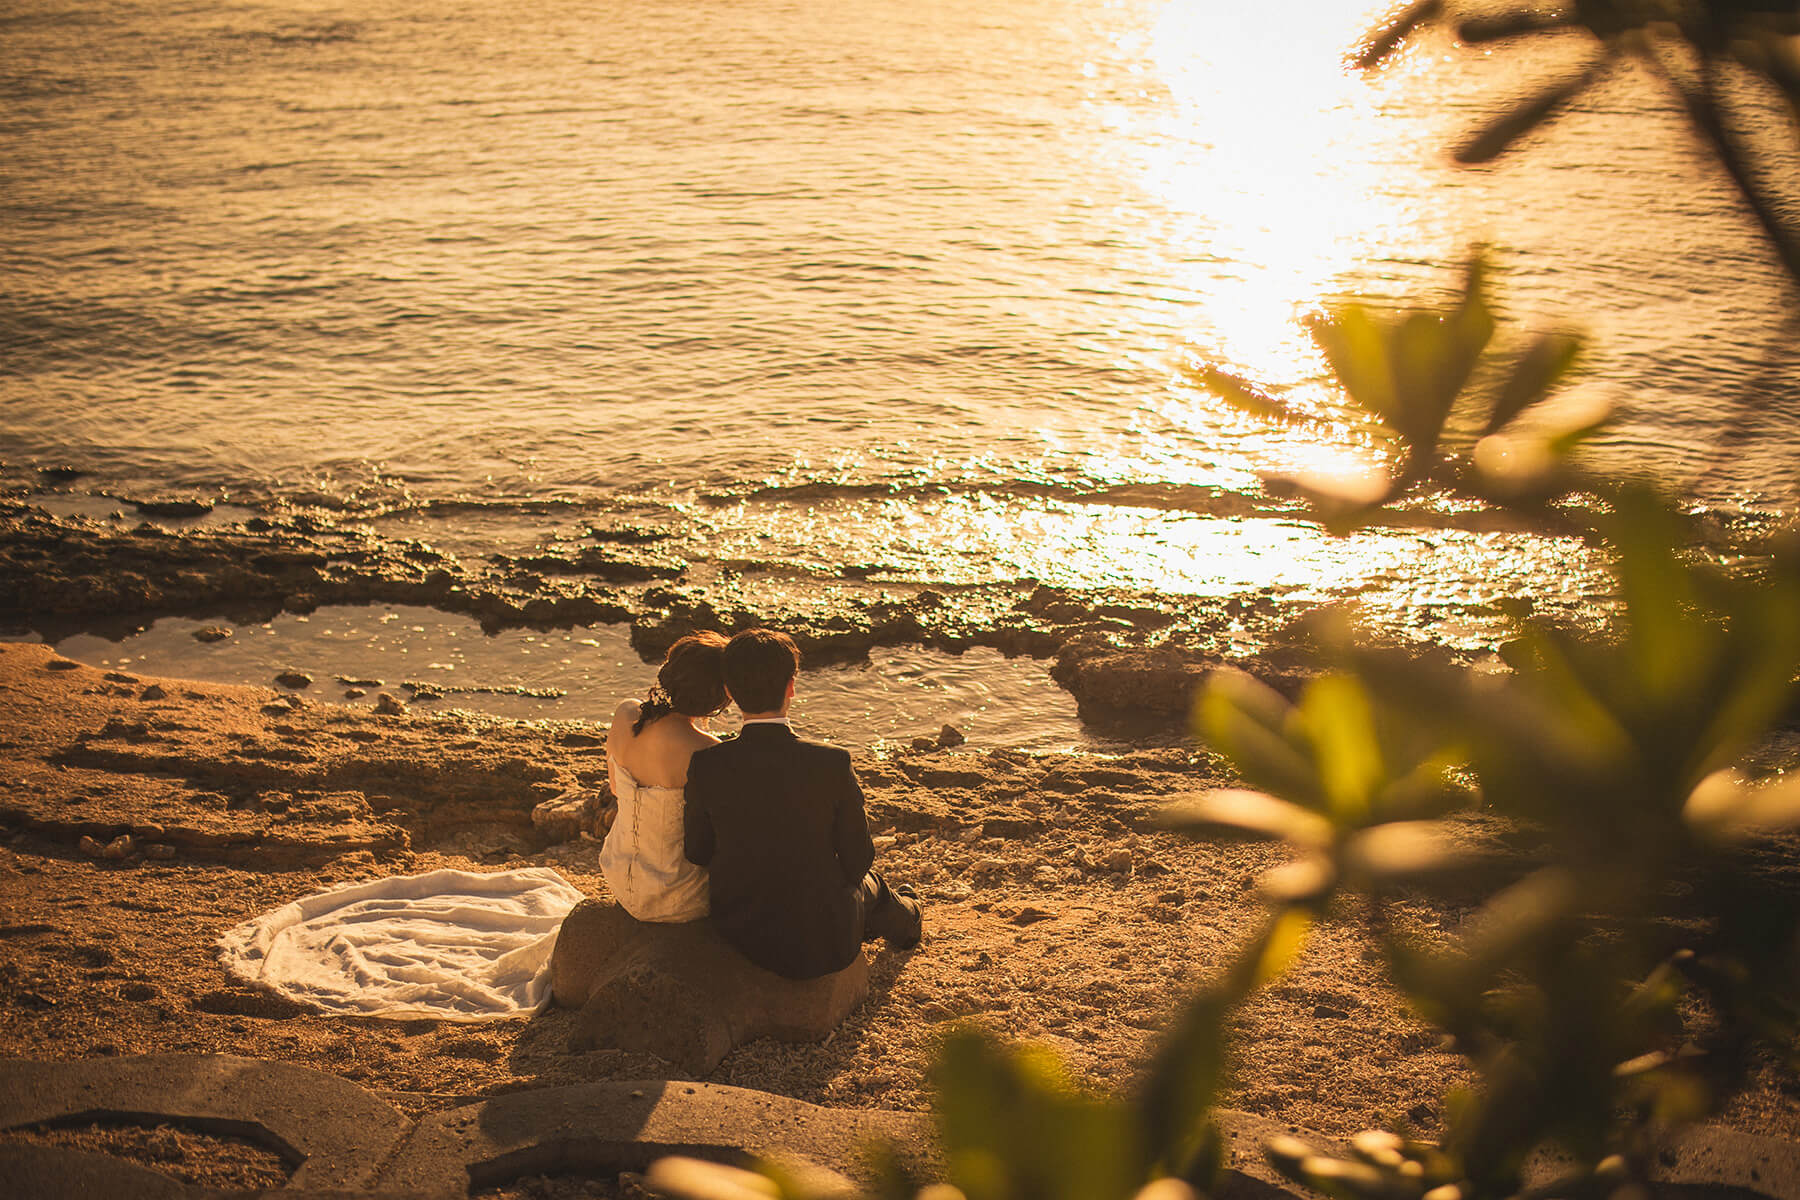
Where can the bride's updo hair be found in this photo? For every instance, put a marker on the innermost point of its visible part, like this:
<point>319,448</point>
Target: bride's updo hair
<point>691,681</point>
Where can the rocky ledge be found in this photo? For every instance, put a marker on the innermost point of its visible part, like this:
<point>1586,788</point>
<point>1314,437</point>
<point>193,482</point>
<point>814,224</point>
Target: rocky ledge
<point>1122,655</point>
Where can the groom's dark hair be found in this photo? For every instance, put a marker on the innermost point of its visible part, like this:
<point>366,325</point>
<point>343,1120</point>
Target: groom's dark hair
<point>758,665</point>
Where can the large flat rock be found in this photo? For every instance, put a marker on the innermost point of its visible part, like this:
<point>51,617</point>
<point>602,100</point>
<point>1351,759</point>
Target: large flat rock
<point>605,1128</point>
<point>682,993</point>
<point>347,1143</point>
<point>334,1134</point>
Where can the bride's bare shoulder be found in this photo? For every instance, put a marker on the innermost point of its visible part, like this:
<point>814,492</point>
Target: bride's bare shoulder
<point>623,718</point>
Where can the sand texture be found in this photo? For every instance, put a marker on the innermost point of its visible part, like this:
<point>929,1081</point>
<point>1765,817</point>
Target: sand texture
<point>1056,910</point>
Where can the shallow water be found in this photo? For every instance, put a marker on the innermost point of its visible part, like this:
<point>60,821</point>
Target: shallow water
<point>581,674</point>
<point>905,289</point>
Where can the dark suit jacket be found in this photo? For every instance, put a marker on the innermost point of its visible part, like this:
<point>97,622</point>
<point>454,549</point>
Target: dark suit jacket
<point>780,824</point>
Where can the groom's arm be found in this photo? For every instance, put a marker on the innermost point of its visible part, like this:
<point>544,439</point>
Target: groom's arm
<point>850,828</point>
<point>696,823</point>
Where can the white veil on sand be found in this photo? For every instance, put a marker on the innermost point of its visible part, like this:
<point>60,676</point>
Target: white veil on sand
<point>453,945</point>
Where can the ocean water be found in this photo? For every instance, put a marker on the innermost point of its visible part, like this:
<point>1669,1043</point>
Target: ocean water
<point>906,285</point>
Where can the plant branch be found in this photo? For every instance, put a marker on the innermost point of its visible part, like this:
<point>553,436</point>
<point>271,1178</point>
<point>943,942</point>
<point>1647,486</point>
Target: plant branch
<point>1702,106</point>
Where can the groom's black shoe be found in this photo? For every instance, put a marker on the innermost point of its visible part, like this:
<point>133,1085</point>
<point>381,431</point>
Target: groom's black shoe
<point>891,914</point>
<point>907,900</point>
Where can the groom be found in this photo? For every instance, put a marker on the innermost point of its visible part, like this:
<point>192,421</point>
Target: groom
<point>780,824</point>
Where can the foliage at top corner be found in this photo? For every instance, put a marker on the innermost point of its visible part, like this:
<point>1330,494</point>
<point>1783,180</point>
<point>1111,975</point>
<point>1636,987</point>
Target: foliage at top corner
<point>1697,50</point>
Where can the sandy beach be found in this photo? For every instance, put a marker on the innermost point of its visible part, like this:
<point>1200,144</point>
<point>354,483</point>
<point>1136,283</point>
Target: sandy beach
<point>1057,911</point>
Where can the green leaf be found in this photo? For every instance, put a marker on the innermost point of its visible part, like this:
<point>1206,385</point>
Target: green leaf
<point>1500,26</point>
<point>1305,881</point>
<point>1497,136</point>
<point>1537,369</point>
<point>1184,1078</point>
<point>1340,500</point>
<point>1518,917</point>
<point>1723,807</point>
<point>1342,1180</point>
<point>1355,344</point>
<point>1282,944</point>
<point>1386,38</point>
<point>1239,810</point>
<point>1013,1127</point>
<point>1668,646</point>
<point>1531,455</point>
<point>698,1179</point>
<point>1337,717</point>
<point>1247,722</point>
<point>1242,394</point>
<point>1404,850</point>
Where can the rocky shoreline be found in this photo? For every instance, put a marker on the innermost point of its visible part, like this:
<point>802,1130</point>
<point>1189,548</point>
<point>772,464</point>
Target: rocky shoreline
<point>1125,657</point>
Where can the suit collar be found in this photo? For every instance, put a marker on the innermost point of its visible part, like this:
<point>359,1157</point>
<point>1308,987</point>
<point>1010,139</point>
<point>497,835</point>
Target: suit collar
<point>767,730</point>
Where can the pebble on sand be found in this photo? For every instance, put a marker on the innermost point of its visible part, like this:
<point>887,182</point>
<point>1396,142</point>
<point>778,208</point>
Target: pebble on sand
<point>212,633</point>
<point>294,679</point>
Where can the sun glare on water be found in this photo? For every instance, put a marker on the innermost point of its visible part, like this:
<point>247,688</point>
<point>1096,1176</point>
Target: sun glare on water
<point>1278,179</point>
<point>1277,167</point>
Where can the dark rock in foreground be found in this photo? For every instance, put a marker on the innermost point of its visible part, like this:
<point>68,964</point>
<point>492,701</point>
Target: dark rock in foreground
<point>681,993</point>
<point>341,1141</point>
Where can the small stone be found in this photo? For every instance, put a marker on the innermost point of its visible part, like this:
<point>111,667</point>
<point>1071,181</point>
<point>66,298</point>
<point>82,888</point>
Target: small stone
<point>171,508</point>
<point>1030,916</point>
<point>119,847</point>
<point>90,847</point>
<point>1328,1013</point>
<point>119,677</point>
<point>386,705</point>
<point>1421,1114</point>
<point>950,735</point>
<point>294,679</point>
<point>61,664</point>
<point>212,633</point>
<point>562,818</point>
<point>923,743</point>
<point>153,692</point>
<point>354,693</point>
<point>1117,860</point>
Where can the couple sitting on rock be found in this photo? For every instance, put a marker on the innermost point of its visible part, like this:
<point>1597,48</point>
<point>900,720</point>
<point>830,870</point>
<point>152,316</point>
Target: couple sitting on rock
<point>765,831</point>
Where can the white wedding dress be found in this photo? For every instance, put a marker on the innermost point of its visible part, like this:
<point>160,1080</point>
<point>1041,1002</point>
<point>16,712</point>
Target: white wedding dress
<point>451,945</point>
<point>643,859</point>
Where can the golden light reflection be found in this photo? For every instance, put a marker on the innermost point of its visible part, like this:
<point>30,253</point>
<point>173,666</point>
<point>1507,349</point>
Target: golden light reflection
<point>1278,170</point>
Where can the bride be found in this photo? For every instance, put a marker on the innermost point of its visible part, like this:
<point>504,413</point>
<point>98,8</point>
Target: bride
<point>647,752</point>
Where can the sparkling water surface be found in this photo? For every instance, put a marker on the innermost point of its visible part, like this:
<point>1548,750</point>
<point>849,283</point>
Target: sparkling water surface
<point>906,285</point>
